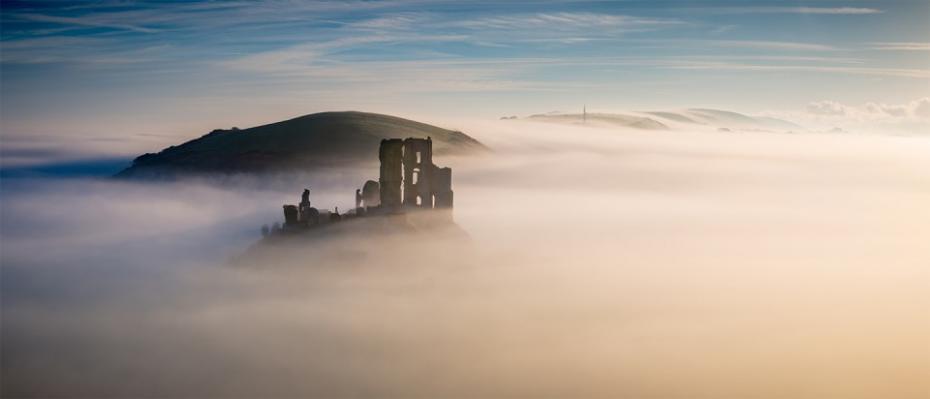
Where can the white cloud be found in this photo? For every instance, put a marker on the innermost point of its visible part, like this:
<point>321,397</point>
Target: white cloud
<point>390,22</point>
<point>308,57</point>
<point>825,10</point>
<point>906,46</point>
<point>91,21</point>
<point>907,118</point>
<point>826,108</point>
<point>917,109</point>
<point>797,10</point>
<point>872,71</point>
<point>567,21</point>
<point>769,45</point>
<point>921,108</point>
<point>85,51</point>
<point>316,65</point>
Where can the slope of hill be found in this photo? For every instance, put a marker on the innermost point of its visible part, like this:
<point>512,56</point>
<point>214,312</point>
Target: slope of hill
<point>302,143</point>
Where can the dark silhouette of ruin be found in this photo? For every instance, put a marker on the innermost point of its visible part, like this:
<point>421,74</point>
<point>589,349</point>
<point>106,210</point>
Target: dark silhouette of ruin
<point>371,194</point>
<point>408,164</point>
<point>408,181</point>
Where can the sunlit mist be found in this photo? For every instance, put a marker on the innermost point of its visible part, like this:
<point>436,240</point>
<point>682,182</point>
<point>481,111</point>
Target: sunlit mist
<point>596,263</point>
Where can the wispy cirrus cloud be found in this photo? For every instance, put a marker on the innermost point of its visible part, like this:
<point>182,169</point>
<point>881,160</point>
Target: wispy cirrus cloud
<point>794,10</point>
<point>874,71</point>
<point>391,21</point>
<point>303,57</point>
<point>768,45</point>
<point>502,30</point>
<point>86,21</point>
<point>162,17</point>
<point>79,51</point>
<point>319,65</point>
<point>904,46</point>
<point>567,21</point>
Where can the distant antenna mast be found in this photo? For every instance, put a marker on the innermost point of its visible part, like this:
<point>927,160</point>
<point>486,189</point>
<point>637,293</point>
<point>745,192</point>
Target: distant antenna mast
<point>584,113</point>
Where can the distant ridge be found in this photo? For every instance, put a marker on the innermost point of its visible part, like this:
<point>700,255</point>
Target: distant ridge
<point>728,119</point>
<point>298,144</point>
<point>631,121</point>
<point>666,120</point>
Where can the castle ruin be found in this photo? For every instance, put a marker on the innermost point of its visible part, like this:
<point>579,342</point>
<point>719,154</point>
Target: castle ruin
<point>409,178</point>
<point>408,181</point>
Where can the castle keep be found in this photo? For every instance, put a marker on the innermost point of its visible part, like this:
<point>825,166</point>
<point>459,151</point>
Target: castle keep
<point>408,165</point>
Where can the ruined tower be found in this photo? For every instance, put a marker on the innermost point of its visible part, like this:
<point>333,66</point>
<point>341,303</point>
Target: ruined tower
<point>391,156</point>
<point>409,177</point>
<point>442,187</point>
<point>418,167</point>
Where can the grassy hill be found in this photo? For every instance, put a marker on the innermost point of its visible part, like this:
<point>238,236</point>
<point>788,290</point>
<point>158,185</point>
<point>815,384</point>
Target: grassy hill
<point>315,140</point>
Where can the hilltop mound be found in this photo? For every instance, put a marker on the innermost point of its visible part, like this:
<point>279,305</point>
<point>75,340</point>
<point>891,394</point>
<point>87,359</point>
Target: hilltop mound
<point>306,142</point>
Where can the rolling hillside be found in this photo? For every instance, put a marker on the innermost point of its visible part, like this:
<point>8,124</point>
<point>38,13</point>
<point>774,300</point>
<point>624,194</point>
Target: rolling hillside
<point>302,143</point>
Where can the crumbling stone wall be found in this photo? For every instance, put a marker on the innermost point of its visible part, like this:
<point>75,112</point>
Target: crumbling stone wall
<point>371,194</point>
<point>291,215</point>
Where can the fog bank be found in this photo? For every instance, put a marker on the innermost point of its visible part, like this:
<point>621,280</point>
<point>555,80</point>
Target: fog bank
<point>598,263</point>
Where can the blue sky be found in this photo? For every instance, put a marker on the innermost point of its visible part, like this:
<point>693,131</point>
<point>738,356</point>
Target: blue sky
<point>136,68</point>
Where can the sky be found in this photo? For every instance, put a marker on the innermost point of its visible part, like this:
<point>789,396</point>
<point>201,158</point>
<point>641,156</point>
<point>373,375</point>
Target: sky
<point>148,73</point>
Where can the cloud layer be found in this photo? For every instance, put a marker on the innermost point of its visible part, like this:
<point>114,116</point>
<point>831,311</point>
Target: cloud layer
<point>602,262</point>
<point>914,110</point>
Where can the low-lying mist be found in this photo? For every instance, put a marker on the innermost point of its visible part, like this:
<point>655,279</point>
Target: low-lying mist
<point>597,263</point>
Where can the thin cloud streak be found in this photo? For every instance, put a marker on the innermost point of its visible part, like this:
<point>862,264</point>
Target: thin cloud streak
<point>795,10</point>
<point>565,21</point>
<point>769,45</point>
<point>904,46</point>
<point>87,22</point>
<point>895,72</point>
